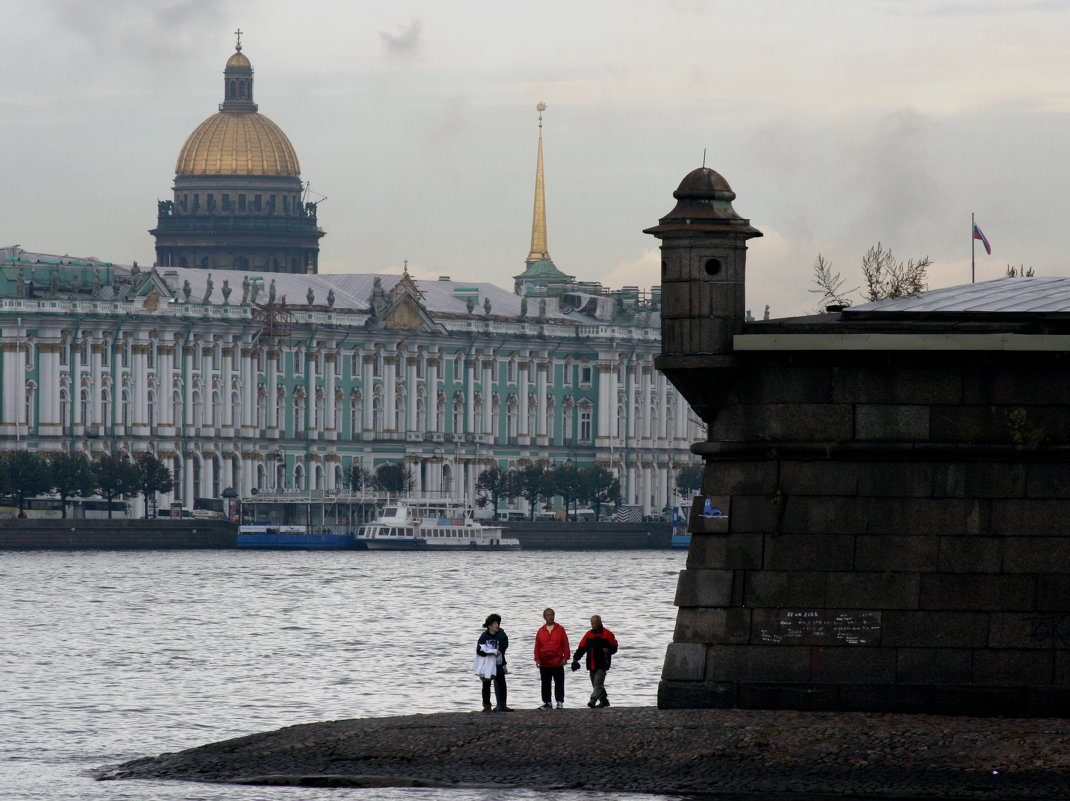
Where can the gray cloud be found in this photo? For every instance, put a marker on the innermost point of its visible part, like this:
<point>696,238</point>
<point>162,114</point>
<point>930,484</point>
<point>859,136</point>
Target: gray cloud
<point>406,43</point>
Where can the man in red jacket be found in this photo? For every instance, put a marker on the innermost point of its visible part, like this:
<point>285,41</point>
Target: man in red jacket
<point>599,645</point>
<point>551,654</point>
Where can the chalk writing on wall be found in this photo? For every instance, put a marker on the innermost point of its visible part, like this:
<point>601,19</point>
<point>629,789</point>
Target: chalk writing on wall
<point>821,627</point>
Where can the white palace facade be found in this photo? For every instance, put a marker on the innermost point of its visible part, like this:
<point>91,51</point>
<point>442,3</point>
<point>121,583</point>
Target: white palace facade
<point>281,382</point>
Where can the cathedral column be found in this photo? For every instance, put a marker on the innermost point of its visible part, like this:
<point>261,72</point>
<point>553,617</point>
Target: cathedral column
<point>541,439</point>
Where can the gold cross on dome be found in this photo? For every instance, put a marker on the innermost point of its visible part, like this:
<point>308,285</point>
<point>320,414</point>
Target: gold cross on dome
<point>238,34</point>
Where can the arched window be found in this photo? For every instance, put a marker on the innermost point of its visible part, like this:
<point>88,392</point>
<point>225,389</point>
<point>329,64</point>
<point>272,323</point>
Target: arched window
<point>511,419</point>
<point>299,477</point>
<point>585,423</point>
<point>261,409</point>
<point>280,411</point>
<point>261,477</point>
<point>458,415</point>
<point>354,414</point>
<point>178,406</point>
<point>198,412</point>
<point>399,409</point>
<point>124,408</point>
<point>235,410</point>
<point>299,413</point>
<point>447,480</point>
<point>64,409</point>
<point>217,409</point>
<point>197,489</point>
<point>83,407</point>
<point>421,413</point>
<point>31,392</point>
<point>151,401</point>
<point>440,412</point>
<point>377,413</point>
<point>105,408</point>
<point>317,471</point>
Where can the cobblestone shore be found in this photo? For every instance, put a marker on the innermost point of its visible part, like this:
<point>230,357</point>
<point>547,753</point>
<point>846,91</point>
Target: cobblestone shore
<point>741,752</point>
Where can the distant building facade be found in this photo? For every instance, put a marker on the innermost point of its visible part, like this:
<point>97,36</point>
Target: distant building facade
<point>283,382</point>
<point>238,201</point>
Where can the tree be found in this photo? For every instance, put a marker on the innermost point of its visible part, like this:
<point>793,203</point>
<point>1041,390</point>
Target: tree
<point>884,276</point>
<point>565,480</point>
<point>598,486</point>
<point>154,477</point>
<point>357,479</point>
<point>498,484</point>
<point>25,475</point>
<point>829,285</point>
<point>71,474</point>
<point>888,278</point>
<point>532,485</point>
<point>394,477</point>
<point>689,479</point>
<point>115,477</point>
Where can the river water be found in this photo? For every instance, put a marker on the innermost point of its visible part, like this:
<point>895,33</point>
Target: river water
<point>111,655</point>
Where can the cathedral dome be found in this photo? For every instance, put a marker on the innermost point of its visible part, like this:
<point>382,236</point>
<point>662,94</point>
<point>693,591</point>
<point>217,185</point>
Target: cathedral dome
<point>239,59</point>
<point>238,143</point>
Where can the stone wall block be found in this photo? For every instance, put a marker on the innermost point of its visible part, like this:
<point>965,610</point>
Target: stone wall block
<point>818,478</point>
<point>896,553</point>
<point>805,514</point>
<point>790,383</point>
<point>933,516</point>
<point>934,666</point>
<point>891,423</point>
<point>684,661</point>
<point>789,589</point>
<point>1048,480</point>
<point>801,696</point>
<point>848,664</point>
<point>978,701</point>
<point>896,479</point>
<point>704,588</point>
<point>968,424</point>
<point>739,478</point>
<point>1014,667</point>
<point>802,422</point>
<point>758,514</point>
<point>713,625</point>
<point>809,552</point>
<point>871,382</point>
<point>748,663</point>
<point>910,629</point>
<point>1040,630</point>
<point>980,480</point>
<point>970,554</point>
<point>725,552</point>
<point>1036,555</point>
<point>697,695</point>
<point>1014,516</point>
<point>912,699</point>
<point>886,590</point>
<point>1053,593</point>
<point>977,592</point>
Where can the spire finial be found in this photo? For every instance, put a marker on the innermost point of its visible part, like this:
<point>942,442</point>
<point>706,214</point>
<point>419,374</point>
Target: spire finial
<point>538,223</point>
<point>237,45</point>
<point>703,158</point>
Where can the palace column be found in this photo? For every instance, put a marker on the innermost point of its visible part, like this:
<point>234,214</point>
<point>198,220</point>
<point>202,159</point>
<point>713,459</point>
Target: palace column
<point>469,396</point>
<point>330,422</point>
<point>523,434</point>
<point>541,438</point>
<point>607,401</point>
<point>226,378</point>
<point>272,399</point>
<point>187,390</point>
<point>96,379</point>
<point>48,422</point>
<point>486,425</point>
<point>433,370</point>
<point>368,395</point>
<point>411,428</point>
<point>248,393</point>
<point>390,395</point>
<point>165,379</point>
<point>139,411</point>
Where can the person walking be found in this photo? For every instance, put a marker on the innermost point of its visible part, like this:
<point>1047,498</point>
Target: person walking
<point>598,645</point>
<point>490,664</point>
<point>551,654</point>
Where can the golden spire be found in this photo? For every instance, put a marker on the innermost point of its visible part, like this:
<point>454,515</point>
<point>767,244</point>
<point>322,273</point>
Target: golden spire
<point>538,222</point>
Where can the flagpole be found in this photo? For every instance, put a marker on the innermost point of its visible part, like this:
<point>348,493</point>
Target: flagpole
<point>973,250</point>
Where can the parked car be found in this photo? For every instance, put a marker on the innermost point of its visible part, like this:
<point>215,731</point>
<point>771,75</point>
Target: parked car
<point>511,516</point>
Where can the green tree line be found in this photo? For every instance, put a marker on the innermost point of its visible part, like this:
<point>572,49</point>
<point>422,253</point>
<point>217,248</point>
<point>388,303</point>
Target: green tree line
<point>26,474</point>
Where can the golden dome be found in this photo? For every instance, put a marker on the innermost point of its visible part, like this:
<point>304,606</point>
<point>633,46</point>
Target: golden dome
<point>238,143</point>
<point>239,60</point>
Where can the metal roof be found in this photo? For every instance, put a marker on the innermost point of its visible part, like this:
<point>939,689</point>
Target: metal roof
<point>999,296</point>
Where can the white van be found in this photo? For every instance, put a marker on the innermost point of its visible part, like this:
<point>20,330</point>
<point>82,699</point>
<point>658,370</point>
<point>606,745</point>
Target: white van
<point>511,516</point>
<point>548,515</point>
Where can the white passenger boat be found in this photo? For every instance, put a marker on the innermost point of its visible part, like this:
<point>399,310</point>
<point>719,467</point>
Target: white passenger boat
<point>432,525</point>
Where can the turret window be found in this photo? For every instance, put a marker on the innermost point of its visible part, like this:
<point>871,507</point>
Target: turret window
<point>713,266</point>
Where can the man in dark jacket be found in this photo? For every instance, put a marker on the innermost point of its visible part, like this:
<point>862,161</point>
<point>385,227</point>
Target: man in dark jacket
<point>599,645</point>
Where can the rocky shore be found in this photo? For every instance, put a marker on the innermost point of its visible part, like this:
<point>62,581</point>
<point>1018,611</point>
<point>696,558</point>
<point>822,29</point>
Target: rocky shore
<point>729,752</point>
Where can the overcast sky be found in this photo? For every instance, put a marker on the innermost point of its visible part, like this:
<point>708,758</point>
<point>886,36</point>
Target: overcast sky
<point>838,123</point>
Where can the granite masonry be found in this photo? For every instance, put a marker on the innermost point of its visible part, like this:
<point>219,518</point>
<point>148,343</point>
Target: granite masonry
<point>895,483</point>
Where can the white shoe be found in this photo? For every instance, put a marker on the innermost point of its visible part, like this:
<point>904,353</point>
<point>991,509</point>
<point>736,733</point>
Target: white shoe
<point>560,705</point>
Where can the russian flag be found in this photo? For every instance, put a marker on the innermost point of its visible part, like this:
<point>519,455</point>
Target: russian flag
<point>977,234</point>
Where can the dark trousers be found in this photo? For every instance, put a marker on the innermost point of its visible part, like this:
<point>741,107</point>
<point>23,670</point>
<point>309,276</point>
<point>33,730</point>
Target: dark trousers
<point>500,690</point>
<point>557,674</point>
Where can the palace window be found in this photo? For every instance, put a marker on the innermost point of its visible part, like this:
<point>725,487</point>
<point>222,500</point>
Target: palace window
<point>585,425</point>
<point>585,376</point>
